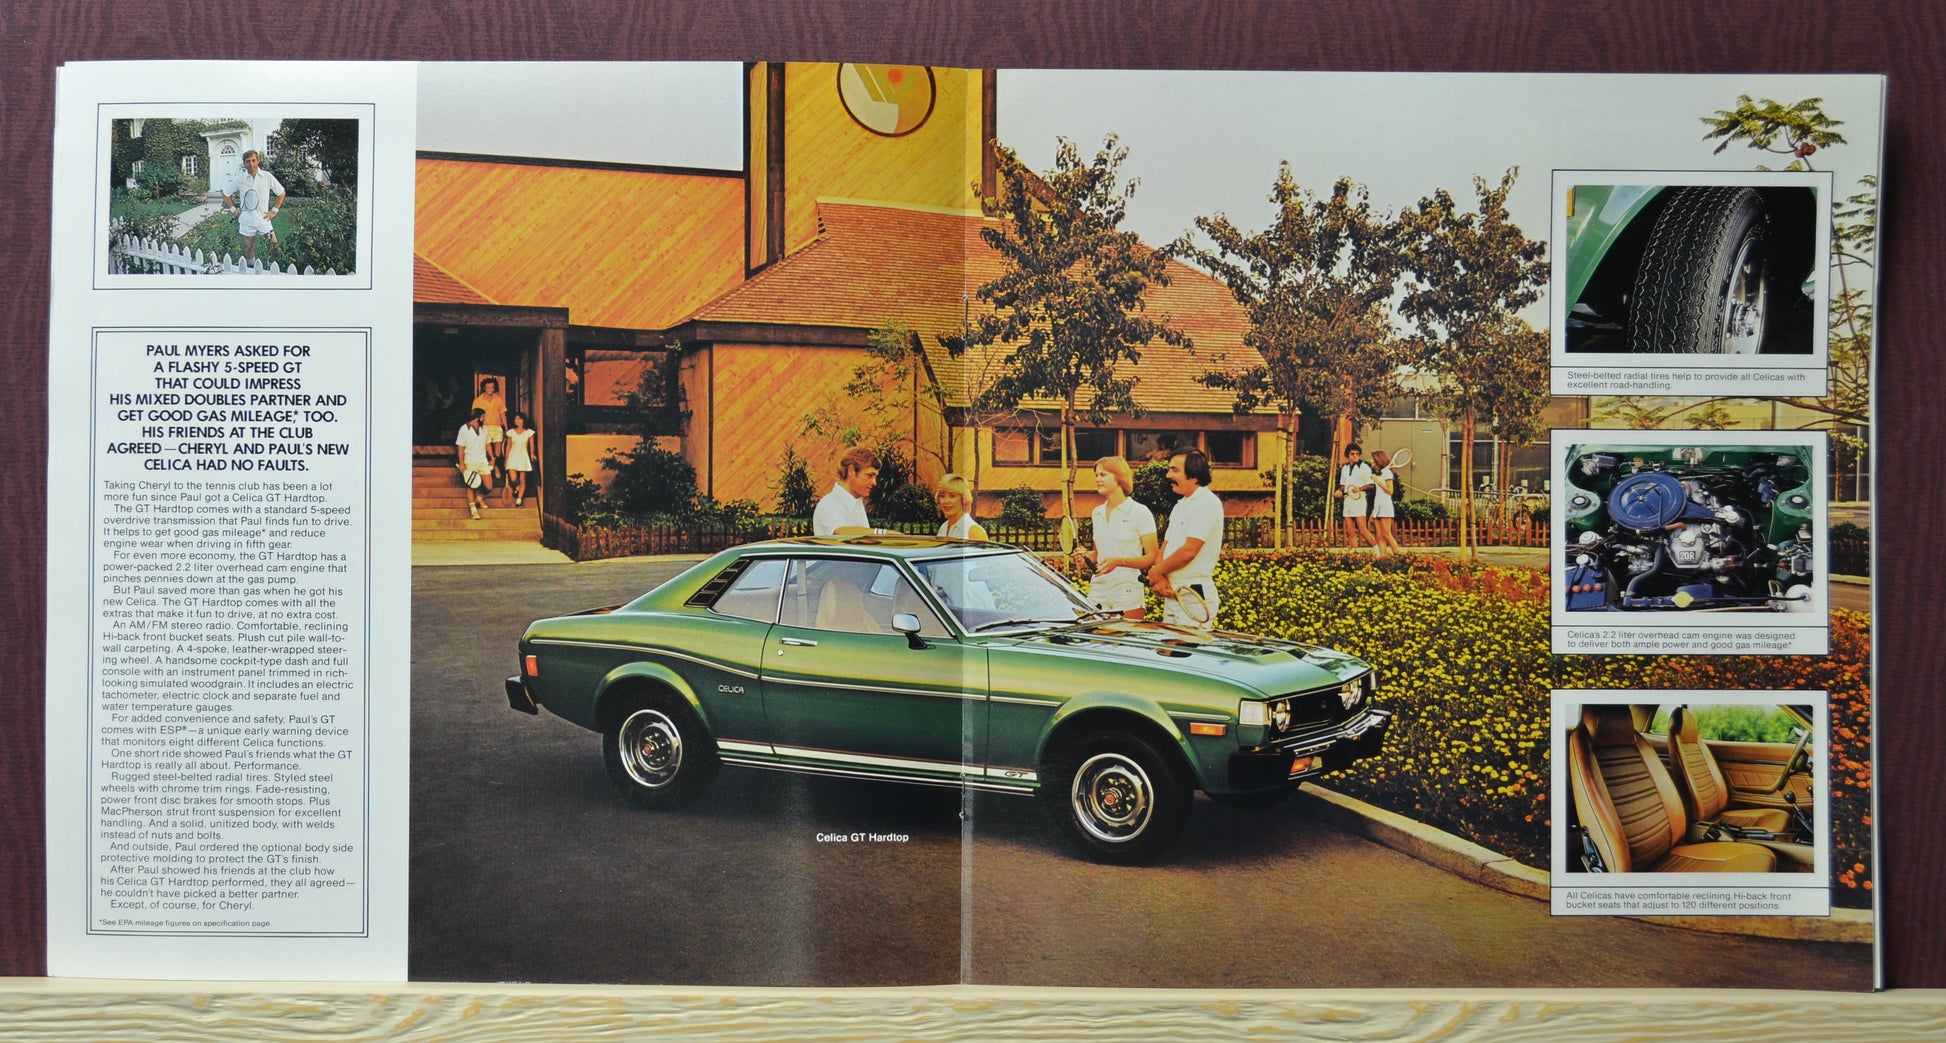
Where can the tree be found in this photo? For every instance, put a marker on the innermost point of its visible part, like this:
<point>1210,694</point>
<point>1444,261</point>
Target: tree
<point>332,144</point>
<point>1315,285</point>
<point>883,400</point>
<point>1068,304</point>
<point>1799,131</point>
<point>1468,276</point>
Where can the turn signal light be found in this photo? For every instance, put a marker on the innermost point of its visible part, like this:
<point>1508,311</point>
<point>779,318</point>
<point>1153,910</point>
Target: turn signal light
<point>533,664</point>
<point>1205,728</point>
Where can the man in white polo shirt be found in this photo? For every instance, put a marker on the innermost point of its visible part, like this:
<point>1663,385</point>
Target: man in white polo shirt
<point>1193,542</point>
<point>842,510</point>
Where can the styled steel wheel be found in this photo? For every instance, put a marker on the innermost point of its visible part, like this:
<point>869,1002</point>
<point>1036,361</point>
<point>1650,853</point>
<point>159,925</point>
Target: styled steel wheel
<point>658,754</point>
<point>1121,798</point>
<point>1112,798</point>
<point>1703,285</point>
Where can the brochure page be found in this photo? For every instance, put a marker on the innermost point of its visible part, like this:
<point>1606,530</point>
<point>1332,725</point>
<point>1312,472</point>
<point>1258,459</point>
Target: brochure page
<point>840,524</point>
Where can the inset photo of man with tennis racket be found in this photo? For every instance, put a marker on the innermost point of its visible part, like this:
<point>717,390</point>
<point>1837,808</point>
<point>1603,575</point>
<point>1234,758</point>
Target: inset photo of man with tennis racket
<point>1185,578</point>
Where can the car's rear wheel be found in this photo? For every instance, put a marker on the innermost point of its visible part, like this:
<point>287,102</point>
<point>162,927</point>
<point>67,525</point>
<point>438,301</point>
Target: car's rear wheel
<point>1120,797</point>
<point>658,753</point>
<point>1703,285</point>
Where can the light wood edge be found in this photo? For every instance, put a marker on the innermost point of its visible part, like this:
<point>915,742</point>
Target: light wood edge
<point>56,1010</point>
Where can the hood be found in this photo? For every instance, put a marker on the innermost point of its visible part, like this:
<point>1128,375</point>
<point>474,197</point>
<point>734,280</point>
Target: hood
<point>1270,666</point>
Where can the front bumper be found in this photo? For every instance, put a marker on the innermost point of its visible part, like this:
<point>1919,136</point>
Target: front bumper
<point>1271,766</point>
<point>520,698</point>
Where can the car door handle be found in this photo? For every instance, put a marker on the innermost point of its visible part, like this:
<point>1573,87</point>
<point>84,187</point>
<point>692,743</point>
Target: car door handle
<point>800,642</point>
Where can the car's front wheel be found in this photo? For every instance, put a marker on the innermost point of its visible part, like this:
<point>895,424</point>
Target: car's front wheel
<point>1120,797</point>
<point>658,753</point>
<point>1703,286</point>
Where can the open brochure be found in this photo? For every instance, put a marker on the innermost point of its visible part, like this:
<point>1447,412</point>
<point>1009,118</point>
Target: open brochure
<point>840,524</point>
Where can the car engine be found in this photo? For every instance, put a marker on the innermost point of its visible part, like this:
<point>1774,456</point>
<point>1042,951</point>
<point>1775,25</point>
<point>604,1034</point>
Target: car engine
<point>1707,527</point>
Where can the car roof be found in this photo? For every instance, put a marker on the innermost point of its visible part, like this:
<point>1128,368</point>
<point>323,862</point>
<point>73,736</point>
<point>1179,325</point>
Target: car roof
<point>895,545</point>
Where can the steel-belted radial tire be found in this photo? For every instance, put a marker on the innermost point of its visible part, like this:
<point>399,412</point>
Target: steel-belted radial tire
<point>658,753</point>
<point>1703,285</point>
<point>1122,798</point>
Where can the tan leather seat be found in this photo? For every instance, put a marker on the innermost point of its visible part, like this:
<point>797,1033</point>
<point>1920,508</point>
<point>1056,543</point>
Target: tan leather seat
<point>841,606</point>
<point>1624,799</point>
<point>1705,794</point>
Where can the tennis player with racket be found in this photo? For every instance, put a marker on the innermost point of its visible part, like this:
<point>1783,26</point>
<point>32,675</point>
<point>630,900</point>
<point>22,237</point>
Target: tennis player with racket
<point>475,469</point>
<point>1185,578</point>
<point>253,190</point>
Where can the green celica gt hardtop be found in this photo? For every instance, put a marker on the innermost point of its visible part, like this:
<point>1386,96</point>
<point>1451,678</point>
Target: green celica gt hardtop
<point>922,660</point>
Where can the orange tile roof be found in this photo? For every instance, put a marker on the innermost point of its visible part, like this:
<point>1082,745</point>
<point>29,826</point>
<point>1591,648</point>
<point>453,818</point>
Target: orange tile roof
<point>875,265</point>
<point>636,248</point>
<point>432,284</point>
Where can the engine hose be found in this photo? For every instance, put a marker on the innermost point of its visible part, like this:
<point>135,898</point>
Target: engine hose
<point>1655,568</point>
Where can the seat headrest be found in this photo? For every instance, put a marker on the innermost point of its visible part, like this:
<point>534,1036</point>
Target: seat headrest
<point>1682,724</point>
<point>1608,725</point>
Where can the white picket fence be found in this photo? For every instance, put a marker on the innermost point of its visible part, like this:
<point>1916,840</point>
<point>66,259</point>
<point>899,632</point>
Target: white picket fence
<point>128,255</point>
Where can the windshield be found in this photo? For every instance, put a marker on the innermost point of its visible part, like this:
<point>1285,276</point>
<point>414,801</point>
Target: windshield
<point>992,591</point>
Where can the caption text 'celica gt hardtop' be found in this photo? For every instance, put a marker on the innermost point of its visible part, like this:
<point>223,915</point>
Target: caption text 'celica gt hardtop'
<point>921,660</point>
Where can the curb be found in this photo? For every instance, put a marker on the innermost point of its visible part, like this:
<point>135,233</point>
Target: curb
<point>1482,865</point>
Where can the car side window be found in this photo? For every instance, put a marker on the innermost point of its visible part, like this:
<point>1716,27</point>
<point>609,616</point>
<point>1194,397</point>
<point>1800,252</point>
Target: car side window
<point>854,597</point>
<point>755,593</point>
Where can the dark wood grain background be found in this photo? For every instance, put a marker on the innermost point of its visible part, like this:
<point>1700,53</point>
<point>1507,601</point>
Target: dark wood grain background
<point>1899,39</point>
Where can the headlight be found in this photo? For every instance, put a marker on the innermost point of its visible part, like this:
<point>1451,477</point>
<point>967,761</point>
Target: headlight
<point>1351,693</point>
<point>1252,713</point>
<point>1280,715</point>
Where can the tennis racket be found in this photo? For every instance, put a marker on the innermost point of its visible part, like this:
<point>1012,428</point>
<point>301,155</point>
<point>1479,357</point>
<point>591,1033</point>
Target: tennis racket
<point>1401,458</point>
<point>1068,535</point>
<point>1189,598</point>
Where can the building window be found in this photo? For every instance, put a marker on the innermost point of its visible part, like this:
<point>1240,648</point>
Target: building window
<point>1144,446</point>
<point>136,167</point>
<point>1090,444</point>
<point>1405,407</point>
<point>189,164</point>
<point>1011,446</point>
<point>1230,448</point>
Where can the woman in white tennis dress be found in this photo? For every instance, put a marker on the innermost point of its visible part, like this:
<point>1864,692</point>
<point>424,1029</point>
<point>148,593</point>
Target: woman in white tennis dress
<point>1125,544</point>
<point>520,460</point>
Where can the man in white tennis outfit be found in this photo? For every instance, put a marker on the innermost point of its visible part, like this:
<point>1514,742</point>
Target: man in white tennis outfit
<point>1355,487</point>
<point>254,189</point>
<point>1193,543</point>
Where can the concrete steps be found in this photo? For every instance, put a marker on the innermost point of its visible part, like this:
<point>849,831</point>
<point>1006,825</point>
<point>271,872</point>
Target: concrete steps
<point>439,508</point>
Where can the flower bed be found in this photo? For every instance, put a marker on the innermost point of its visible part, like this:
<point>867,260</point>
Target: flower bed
<point>1462,651</point>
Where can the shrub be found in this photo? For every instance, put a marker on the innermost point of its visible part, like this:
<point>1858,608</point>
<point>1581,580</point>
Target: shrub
<point>651,482</point>
<point>322,233</point>
<point>797,494</point>
<point>910,502</point>
<point>1023,508</point>
<point>1152,489</point>
<point>1423,509</point>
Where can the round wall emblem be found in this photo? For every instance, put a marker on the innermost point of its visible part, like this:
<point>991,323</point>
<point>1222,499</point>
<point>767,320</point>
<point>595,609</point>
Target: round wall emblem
<point>887,99</point>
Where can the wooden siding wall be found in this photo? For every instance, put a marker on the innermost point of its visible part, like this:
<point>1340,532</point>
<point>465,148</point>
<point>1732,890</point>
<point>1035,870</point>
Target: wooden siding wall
<point>762,395</point>
<point>827,154</point>
<point>650,247</point>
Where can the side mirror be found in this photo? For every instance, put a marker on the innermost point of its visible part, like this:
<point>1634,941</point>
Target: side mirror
<point>908,624</point>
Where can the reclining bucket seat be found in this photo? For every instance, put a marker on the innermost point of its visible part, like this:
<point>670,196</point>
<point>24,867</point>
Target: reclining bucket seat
<point>1705,793</point>
<point>1624,799</point>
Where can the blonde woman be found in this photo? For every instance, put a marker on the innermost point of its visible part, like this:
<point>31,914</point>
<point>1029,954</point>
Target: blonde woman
<point>1385,493</point>
<point>954,495</point>
<point>1125,543</point>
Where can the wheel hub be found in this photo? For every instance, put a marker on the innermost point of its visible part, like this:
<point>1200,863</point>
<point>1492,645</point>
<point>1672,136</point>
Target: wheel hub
<point>1111,797</point>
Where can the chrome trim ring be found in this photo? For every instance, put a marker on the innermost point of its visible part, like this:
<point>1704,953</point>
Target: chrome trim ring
<point>651,748</point>
<point>1112,798</point>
